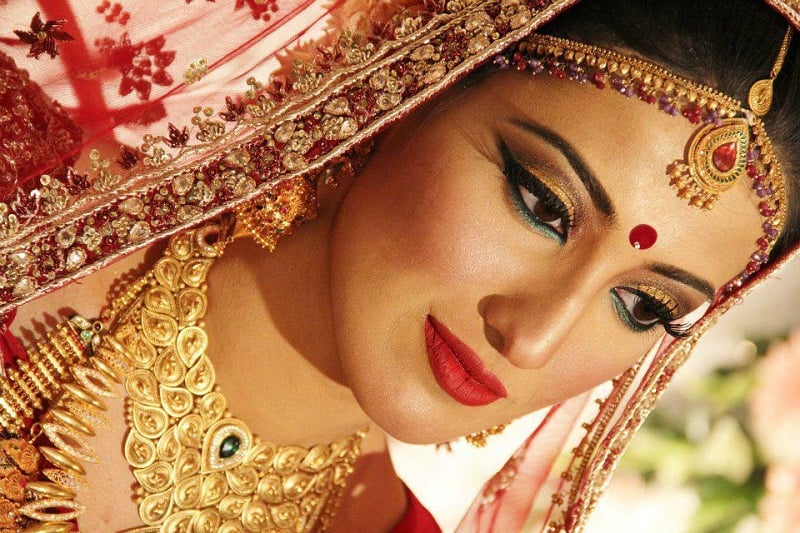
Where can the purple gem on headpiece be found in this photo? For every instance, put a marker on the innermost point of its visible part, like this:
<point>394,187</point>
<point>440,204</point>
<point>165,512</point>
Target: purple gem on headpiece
<point>753,154</point>
<point>501,61</point>
<point>536,66</point>
<point>574,72</point>
<point>714,117</point>
<point>625,90</point>
<point>769,230</point>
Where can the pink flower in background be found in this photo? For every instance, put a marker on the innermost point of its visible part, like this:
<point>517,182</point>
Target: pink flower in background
<point>775,419</point>
<point>778,509</point>
<point>775,403</point>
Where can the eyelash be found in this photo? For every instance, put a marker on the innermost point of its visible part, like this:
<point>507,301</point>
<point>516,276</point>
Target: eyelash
<point>521,178</point>
<point>666,314</point>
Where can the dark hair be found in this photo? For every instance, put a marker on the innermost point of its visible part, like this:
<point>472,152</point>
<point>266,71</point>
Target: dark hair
<point>728,45</point>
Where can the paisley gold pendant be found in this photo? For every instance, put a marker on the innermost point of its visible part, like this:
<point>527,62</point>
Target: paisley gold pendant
<point>715,159</point>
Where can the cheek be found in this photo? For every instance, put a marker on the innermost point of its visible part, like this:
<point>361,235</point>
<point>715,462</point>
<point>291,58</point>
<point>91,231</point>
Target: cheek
<point>596,350</point>
<point>429,220</point>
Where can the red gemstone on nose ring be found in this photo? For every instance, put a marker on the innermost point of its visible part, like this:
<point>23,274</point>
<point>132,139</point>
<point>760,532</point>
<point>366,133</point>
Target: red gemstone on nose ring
<point>643,237</point>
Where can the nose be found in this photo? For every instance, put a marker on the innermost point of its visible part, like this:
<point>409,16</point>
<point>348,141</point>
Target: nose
<point>529,327</point>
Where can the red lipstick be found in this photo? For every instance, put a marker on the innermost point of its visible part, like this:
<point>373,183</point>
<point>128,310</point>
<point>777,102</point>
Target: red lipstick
<point>458,369</point>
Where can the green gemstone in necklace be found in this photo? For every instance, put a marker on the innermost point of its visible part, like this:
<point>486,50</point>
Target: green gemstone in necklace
<point>229,447</point>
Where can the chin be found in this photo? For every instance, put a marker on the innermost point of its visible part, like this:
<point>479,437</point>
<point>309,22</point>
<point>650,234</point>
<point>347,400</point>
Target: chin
<point>406,411</point>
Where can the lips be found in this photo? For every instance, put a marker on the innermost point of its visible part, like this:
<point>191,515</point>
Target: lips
<point>457,369</point>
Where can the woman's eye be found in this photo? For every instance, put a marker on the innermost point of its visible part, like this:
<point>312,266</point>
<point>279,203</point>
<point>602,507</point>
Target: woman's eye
<point>536,202</point>
<point>643,308</point>
<point>548,214</point>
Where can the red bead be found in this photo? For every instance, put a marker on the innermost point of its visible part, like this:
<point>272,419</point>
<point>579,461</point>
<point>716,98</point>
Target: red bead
<point>751,170</point>
<point>725,156</point>
<point>694,114</point>
<point>598,80</point>
<point>646,96</point>
<point>763,243</point>
<point>643,237</point>
<point>519,61</point>
<point>753,267</point>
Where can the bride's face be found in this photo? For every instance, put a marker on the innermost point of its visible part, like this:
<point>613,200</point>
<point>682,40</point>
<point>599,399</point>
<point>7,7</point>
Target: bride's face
<point>481,264</point>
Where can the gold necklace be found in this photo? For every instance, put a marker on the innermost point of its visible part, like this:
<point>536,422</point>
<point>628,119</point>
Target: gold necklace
<point>198,467</point>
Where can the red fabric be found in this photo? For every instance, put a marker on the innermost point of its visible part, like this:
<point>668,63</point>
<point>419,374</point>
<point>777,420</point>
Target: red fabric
<point>417,518</point>
<point>10,347</point>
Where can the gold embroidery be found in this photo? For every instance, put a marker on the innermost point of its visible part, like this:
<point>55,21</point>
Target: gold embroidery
<point>197,69</point>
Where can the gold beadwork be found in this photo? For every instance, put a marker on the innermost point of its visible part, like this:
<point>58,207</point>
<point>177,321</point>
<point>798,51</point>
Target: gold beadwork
<point>478,439</point>
<point>659,296</point>
<point>51,490</point>
<point>45,382</point>
<point>31,384</point>
<point>61,459</point>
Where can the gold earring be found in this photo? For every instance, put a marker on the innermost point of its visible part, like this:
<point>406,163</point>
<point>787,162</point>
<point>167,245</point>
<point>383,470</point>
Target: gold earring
<point>279,210</point>
<point>291,202</point>
<point>478,439</point>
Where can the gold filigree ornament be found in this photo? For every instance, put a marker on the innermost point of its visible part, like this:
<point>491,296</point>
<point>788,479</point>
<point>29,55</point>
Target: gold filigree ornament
<point>717,154</point>
<point>760,96</point>
<point>716,158</point>
<point>199,468</point>
<point>270,217</point>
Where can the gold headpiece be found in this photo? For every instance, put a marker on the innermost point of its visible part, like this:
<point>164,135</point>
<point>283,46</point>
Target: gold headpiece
<point>731,142</point>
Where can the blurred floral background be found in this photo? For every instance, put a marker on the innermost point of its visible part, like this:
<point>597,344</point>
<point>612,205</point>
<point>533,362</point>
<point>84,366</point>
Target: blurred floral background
<point>722,451</point>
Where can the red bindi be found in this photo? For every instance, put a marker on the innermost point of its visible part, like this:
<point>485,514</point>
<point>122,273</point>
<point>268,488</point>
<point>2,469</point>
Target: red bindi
<point>643,237</point>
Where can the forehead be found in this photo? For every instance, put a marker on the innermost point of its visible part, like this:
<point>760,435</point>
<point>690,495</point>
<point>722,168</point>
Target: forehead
<point>629,145</point>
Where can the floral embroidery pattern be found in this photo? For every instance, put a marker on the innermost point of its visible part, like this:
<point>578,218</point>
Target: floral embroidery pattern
<point>141,64</point>
<point>260,9</point>
<point>113,12</point>
<point>43,36</point>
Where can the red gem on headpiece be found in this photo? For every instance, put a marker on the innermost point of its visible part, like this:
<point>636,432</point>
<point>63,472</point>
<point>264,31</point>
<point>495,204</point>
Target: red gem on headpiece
<point>725,156</point>
<point>643,237</point>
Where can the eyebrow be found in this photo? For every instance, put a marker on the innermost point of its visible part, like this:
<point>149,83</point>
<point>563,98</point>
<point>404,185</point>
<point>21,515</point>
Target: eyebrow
<point>682,276</point>
<point>596,191</point>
